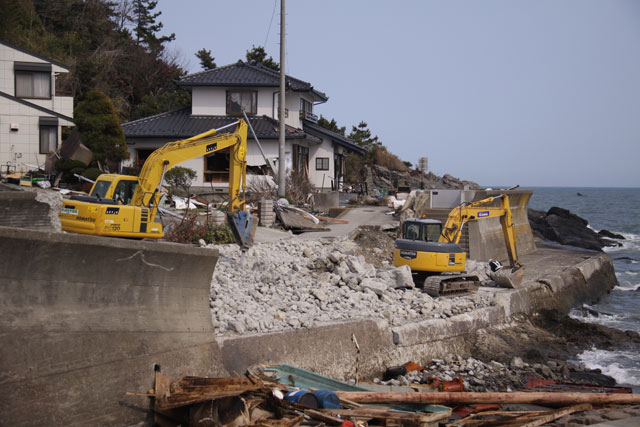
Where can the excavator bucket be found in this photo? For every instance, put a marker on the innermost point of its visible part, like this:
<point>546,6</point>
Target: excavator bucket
<point>243,228</point>
<point>508,278</point>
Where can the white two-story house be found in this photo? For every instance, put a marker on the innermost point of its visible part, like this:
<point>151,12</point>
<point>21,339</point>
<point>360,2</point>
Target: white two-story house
<point>31,113</point>
<point>218,98</point>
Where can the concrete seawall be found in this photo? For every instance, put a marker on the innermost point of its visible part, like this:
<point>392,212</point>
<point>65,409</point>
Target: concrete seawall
<point>84,319</point>
<point>554,278</point>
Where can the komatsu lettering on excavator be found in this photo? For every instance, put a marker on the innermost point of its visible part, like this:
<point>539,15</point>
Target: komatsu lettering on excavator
<point>126,206</point>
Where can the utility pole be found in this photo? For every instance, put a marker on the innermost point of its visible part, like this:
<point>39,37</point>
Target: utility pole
<point>282,179</point>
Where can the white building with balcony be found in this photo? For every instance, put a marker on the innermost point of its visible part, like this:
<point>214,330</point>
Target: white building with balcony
<point>31,113</point>
<point>218,98</point>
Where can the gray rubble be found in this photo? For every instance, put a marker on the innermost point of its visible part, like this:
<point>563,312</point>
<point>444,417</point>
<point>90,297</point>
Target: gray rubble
<point>296,283</point>
<point>493,375</point>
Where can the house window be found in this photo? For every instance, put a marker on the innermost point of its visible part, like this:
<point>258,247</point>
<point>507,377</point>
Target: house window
<point>32,84</point>
<point>242,99</point>
<point>306,106</point>
<point>322,163</point>
<point>48,138</point>
<point>33,79</point>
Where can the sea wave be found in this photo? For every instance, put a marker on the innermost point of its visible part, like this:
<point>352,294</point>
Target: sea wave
<point>631,243</point>
<point>587,313</point>
<point>620,365</point>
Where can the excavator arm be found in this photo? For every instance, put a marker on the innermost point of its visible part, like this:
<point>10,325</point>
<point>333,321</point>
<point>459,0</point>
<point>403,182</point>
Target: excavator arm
<point>147,193</point>
<point>103,215</point>
<point>161,160</point>
<point>458,217</point>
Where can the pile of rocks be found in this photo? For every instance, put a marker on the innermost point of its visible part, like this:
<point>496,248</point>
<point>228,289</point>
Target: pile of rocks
<point>494,375</point>
<point>297,284</point>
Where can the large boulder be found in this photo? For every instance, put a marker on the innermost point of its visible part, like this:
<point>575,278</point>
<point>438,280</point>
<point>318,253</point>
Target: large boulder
<point>562,226</point>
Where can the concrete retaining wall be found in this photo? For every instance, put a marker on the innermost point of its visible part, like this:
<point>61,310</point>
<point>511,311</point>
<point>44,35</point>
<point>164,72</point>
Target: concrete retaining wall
<point>576,277</point>
<point>34,209</point>
<point>84,319</point>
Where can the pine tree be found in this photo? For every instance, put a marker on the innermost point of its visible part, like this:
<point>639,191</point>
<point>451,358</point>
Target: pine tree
<point>147,27</point>
<point>362,136</point>
<point>257,55</point>
<point>100,129</point>
<point>331,125</point>
<point>206,60</point>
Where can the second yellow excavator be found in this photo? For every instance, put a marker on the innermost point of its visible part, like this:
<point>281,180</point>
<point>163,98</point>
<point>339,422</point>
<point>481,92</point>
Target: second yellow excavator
<point>433,253</point>
<point>126,206</point>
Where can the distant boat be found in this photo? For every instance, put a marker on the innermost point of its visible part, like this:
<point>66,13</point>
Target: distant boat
<point>580,194</point>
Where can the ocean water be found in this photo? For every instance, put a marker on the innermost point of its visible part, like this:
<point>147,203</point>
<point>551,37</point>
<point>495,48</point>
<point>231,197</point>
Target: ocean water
<point>616,210</point>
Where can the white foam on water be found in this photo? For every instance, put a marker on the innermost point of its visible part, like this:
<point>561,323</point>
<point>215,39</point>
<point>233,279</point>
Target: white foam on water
<point>629,288</point>
<point>623,366</point>
<point>631,242</point>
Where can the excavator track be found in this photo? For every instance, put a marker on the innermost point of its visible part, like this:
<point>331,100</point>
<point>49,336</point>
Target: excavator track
<point>451,285</point>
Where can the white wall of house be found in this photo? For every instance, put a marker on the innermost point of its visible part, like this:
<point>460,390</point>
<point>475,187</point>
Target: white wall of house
<point>20,135</point>
<point>212,101</point>
<point>8,56</point>
<point>20,123</point>
<point>321,179</point>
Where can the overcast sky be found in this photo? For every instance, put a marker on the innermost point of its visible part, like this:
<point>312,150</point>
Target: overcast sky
<point>536,93</point>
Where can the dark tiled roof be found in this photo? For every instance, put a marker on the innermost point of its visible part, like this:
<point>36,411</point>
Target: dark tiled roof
<point>59,64</point>
<point>182,124</point>
<point>338,138</point>
<point>242,74</point>
<point>35,106</point>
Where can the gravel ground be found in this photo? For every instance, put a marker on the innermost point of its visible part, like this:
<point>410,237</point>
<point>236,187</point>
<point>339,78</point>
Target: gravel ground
<point>294,284</point>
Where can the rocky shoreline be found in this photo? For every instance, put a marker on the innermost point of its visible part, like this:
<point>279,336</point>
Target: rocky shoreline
<point>546,347</point>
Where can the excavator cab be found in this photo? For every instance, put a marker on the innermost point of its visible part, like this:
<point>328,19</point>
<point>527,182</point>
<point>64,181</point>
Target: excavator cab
<point>421,250</point>
<point>426,230</point>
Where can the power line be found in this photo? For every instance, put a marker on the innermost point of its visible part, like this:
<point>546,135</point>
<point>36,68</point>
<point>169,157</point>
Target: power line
<point>275,2</point>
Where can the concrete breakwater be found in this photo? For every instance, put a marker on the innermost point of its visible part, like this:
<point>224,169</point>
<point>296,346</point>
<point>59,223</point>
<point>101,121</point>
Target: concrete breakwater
<point>554,279</point>
<point>86,319</point>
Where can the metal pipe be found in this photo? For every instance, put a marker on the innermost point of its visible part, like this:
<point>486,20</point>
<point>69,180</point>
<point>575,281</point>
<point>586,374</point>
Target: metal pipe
<point>229,125</point>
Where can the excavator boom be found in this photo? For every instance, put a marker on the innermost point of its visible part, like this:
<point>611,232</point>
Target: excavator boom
<point>459,216</point>
<point>106,216</point>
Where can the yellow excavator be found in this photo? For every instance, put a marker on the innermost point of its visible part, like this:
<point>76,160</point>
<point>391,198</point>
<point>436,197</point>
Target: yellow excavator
<point>436,259</point>
<point>126,206</point>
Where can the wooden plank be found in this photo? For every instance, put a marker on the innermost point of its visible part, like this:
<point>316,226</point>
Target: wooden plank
<point>373,412</point>
<point>330,219</point>
<point>323,416</point>
<point>538,398</point>
<point>553,415</point>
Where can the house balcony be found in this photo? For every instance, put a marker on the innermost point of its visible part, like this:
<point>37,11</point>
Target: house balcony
<point>310,117</point>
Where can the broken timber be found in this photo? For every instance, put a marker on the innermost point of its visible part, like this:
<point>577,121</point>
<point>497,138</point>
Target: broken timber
<point>538,398</point>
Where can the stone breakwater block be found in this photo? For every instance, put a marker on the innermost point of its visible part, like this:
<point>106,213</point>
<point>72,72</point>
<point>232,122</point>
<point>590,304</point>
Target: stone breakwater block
<point>404,279</point>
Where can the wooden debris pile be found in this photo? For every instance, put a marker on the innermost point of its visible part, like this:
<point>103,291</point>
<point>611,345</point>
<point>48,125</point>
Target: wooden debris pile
<point>257,400</point>
<point>261,400</point>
